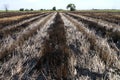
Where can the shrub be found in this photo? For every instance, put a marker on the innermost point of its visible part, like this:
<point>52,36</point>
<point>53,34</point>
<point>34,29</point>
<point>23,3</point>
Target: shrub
<point>31,9</point>
<point>54,8</point>
<point>21,9</point>
<point>26,9</point>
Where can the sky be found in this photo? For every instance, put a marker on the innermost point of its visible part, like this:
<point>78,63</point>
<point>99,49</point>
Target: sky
<point>60,4</point>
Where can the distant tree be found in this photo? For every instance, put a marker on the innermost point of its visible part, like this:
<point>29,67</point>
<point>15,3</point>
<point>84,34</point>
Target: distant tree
<point>60,9</point>
<point>31,9</point>
<point>54,8</point>
<point>21,9</point>
<point>26,9</point>
<point>71,6</point>
<point>41,9</point>
<point>6,7</point>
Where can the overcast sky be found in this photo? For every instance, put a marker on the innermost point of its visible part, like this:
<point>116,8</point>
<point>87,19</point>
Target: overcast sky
<point>60,4</point>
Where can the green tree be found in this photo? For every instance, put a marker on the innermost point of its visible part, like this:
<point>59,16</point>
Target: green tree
<point>26,9</point>
<point>21,9</point>
<point>41,9</point>
<point>54,8</point>
<point>71,6</point>
<point>31,9</point>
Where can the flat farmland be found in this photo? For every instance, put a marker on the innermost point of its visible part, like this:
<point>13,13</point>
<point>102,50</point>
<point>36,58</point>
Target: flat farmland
<point>60,46</point>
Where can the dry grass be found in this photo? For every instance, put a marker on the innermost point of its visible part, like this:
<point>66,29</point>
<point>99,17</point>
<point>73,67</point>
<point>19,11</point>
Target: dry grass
<point>24,36</point>
<point>53,54</point>
<point>105,55</point>
<point>17,28</point>
<point>8,22</point>
<point>24,57</point>
<point>14,17</point>
<point>103,50</point>
<point>58,47</point>
<point>56,54</point>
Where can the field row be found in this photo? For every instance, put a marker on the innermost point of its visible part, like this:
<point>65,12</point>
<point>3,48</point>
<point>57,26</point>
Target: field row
<point>110,17</point>
<point>11,14</point>
<point>60,46</point>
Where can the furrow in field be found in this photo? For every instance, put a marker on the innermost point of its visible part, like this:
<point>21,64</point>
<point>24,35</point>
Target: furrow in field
<point>112,36</point>
<point>107,25</point>
<point>60,46</point>
<point>10,44</point>
<point>14,21</point>
<point>11,31</point>
<point>55,60</point>
<point>84,58</point>
<point>12,14</point>
<point>99,48</point>
<point>25,57</point>
<point>110,17</point>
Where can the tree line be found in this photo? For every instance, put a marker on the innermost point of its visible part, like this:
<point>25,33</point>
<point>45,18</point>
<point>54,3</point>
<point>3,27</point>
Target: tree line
<point>70,6</point>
